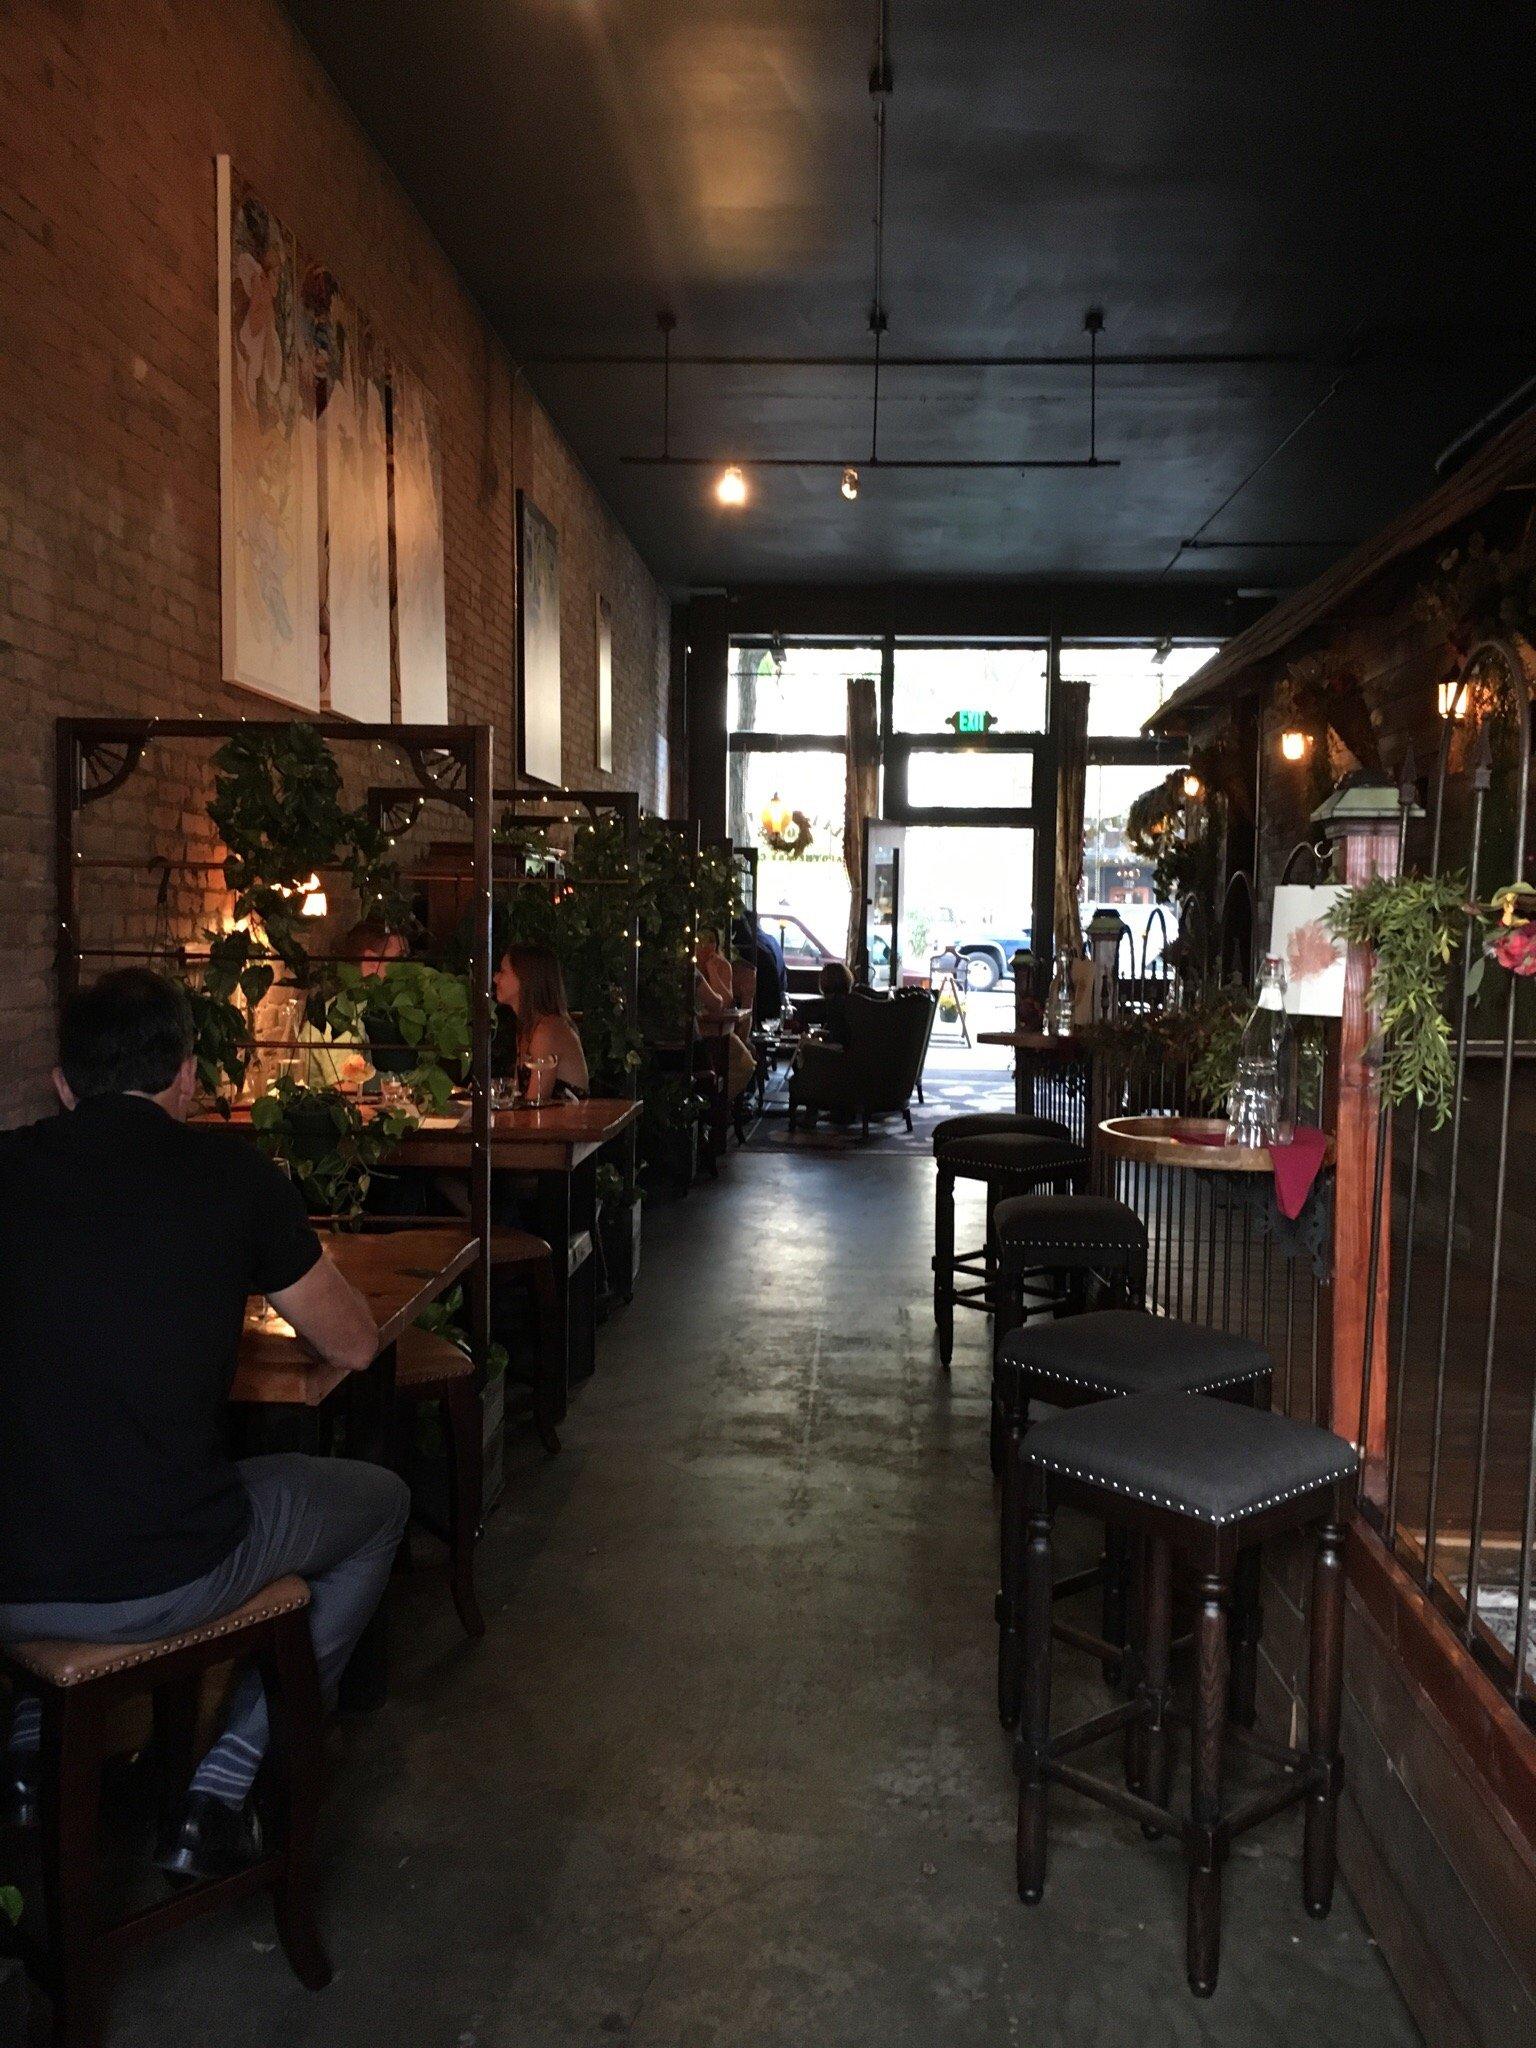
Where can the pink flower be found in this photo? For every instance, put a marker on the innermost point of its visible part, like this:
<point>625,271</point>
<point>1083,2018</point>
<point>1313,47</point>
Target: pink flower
<point>1516,949</point>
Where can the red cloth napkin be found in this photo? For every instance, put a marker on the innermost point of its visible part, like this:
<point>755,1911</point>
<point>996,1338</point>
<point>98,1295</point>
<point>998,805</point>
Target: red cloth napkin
<point>1296,1167</point>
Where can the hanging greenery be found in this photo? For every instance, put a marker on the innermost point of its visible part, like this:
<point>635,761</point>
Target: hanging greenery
<point>1166,827</point>
<point>1477,591</point>
<point>330,1148</point>
<point>1412,924</point>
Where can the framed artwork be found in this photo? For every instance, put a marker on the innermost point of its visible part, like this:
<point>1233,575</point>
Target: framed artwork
<point>416,524</point>
<point>352,441</point>
<point>604,727</point>
<point>268,549</point>
<point>538,645</point>
<point>1313,957</point>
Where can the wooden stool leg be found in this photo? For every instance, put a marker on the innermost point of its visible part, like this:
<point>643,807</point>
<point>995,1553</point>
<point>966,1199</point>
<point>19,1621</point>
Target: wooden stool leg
<point>175,1716</point>
<point>1324,1689</point>
<point>464,1423</point>
<point>1115,1599</point>
<point>1203,1929</point>
<point>1247,1625</point>
<point>989,1243</point>
<point>1151,1754</point>
<point>1035,1725</point>
<point>293,1704</point>
<point>1009,1645</point>
<point>70,1791</point>
<point>944,1262</point>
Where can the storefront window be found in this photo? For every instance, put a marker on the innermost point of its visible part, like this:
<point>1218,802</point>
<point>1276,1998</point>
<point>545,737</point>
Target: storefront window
<point>931,685</point>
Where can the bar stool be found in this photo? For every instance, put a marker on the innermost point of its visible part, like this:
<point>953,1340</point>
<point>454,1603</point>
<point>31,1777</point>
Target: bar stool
<point>1107,1355</point>
<point>81,1686</point>
<point>1198,1480</point>
<point>428,1368</point>
<point>1076,1235</point>
<point>1012,1155</point>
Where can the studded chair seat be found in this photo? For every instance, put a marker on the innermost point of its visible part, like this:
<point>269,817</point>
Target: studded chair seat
<point>997,1123</point>
<point>1000,1153</point>
<point>1068,1223</point>
<point>1114,1352</point>
<point>66,1663</point>
<point>1213,1461</point>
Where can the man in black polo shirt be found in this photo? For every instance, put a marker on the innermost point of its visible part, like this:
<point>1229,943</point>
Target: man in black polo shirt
<point>129,1244</point>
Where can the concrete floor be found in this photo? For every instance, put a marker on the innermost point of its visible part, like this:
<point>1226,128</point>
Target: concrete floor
<point>726,1771</point>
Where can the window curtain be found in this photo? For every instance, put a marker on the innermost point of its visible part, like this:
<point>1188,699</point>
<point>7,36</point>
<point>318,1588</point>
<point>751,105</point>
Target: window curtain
<point>862,799</point>
<point>1071,724</point>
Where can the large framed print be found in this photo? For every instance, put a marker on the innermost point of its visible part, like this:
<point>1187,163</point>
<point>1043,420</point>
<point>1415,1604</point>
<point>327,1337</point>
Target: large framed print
<point>538,645</point>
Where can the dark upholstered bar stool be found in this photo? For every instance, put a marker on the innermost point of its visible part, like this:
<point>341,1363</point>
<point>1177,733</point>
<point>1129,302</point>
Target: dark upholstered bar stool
<point>1014,1155</point>
<point>1197,1480</point>
<point>1066,1240</point>
<point>1105,1356</point>
<point>82,1686</point>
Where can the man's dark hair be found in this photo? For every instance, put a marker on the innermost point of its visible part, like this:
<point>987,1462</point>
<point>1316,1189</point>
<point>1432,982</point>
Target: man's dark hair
<point>127,1033</point>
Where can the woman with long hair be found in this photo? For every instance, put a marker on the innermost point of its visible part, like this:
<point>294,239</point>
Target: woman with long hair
<point>530,984</point>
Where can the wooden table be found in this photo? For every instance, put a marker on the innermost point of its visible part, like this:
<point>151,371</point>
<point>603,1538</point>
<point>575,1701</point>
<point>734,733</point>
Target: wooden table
<point>559,1147</point>
<point>1060,1048</point>
<point>398,1272</point>
<point>1187,1142</point>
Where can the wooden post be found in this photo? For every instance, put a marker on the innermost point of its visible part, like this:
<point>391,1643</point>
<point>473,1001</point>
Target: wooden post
<point>1363,820</point>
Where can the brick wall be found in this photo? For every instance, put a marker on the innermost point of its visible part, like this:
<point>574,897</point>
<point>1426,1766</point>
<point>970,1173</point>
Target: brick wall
<point>111,115</point>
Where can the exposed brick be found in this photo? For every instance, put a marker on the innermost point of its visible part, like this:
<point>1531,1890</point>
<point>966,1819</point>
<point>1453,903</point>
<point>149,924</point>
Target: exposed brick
<point>110,117</point>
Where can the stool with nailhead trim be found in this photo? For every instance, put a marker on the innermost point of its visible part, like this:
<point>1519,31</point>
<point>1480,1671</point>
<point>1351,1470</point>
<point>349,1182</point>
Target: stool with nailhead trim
<point>1198,1480</point>
<point>81,1685</point>
<point>1013,1155</point>
<point>1065,1241</point>
<point>1106,1356</point>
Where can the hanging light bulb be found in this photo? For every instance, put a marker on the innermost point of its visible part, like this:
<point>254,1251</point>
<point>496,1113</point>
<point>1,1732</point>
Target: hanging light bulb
<point>1192,786</point>
<point>1294,744</point>
<point>850,485</point>
<point>732,487</point>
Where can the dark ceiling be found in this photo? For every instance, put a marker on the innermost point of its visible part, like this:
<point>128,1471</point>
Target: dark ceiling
<point>1349,186</point>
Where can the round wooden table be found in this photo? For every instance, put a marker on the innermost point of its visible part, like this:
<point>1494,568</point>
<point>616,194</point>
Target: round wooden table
<point>1195,1143</point>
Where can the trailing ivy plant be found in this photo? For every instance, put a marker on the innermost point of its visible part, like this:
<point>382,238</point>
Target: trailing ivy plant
<point>330,1148</point>
<point>277,806</point>
<point>445,1318</point>
<point>1411,924</point>
<point>414,1018</point>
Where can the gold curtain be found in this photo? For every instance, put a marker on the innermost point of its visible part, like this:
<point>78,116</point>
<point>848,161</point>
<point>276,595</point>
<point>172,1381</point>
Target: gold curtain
<point>862,799</point>
<point>1071,780</point>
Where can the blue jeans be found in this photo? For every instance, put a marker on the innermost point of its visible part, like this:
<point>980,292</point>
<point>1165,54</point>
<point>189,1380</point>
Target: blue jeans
<point>336,1522</point>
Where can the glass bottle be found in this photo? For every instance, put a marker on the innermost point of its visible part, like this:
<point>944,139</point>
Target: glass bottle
<point>1262,1110</point>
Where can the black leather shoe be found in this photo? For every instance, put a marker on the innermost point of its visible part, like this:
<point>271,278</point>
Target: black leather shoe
<point>212,1840</point>
<point>19,1804</point>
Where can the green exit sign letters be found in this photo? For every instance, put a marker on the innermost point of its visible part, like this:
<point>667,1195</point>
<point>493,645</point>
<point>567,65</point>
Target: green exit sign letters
<point>971,721</point>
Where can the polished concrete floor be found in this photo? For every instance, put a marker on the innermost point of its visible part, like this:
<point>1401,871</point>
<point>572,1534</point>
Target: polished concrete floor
<point>726,1772</point>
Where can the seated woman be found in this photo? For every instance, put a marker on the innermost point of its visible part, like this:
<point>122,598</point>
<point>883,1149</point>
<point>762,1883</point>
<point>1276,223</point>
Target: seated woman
<point>835,983</point>
<point>714,986</point>
<point>529,983</point>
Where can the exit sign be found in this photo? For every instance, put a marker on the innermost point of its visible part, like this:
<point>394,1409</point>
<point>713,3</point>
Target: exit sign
<point>971,721</point>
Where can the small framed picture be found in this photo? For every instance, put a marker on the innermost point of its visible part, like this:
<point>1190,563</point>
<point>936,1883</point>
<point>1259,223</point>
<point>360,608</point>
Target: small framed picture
<point>1313,958</point>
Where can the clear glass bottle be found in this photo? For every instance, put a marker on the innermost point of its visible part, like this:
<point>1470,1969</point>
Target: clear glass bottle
<point>1262,1110</point>
<point>1059,1010</point>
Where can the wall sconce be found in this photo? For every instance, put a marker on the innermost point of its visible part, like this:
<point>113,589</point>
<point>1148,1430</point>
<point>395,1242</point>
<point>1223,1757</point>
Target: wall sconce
<point>1294,745</point>
<point>314,904</point>
<point>775,816</point>
<point>732,487</point>
<point>1453,700</point>
<point>1192,786</point>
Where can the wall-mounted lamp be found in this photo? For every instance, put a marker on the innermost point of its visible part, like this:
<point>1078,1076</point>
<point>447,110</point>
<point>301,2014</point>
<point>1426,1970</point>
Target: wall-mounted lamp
<point>1192,786</point>
<point>1453,700</point>
<point>775,816</point>
<point>850,483</point>
<point>732,487</point>
<point>1294,744</point>
<point>314,904</point>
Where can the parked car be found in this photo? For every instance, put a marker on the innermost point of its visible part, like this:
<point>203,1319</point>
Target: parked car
<point>991,955</point>
<point>804,953</point>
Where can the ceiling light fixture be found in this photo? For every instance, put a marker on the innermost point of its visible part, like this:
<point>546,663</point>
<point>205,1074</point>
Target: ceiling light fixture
<point>732,487</point>
<point>850,485</point>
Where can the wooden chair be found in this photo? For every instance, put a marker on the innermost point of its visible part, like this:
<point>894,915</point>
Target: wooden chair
<point>81,1686</point>
<point>429,1368</point>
